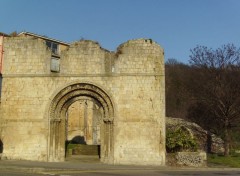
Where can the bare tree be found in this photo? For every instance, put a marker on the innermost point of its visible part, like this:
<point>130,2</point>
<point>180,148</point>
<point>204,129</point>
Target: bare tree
<point>216,88</point>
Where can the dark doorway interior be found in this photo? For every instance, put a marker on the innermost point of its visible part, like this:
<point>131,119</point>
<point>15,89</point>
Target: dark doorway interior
<point>1,146</point>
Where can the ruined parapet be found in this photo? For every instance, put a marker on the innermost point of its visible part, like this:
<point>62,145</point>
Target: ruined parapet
<point>86,57</point>
<point>140,56</point>
<point>140,47</point>
<point>25,55</point>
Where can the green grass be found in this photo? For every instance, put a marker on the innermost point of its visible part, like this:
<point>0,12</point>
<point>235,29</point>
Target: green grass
<point>222,161</point>
<point>72,146</point>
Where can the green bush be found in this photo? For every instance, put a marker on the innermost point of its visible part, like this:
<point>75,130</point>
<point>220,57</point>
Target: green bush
<point>180,140</point>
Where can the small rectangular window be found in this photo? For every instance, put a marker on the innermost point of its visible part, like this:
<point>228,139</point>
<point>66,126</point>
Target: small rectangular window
<point>53,46</point>
<point>55,64</point>
<point>48,44</point>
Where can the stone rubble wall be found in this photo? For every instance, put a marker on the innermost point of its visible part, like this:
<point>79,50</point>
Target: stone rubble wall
<point>207,141</point>
<point>193,159</point>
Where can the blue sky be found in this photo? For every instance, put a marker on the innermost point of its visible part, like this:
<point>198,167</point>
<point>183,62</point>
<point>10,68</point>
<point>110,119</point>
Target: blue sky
<point>177,25</point>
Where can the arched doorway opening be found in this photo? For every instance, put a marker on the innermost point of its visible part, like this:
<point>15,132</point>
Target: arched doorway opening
<point>99,102</point>
<point>84,124</point>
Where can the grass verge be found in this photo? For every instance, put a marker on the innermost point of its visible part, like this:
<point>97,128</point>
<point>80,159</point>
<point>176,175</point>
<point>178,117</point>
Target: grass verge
<point>224,161</point>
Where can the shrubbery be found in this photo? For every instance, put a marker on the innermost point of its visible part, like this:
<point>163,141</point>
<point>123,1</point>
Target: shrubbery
<point>180,140</point>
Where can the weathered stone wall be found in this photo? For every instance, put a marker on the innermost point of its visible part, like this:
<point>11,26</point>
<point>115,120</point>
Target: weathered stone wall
<point>140,103</point>
<point>25,55</point>
<point>194,159</point>
<point>133,77</point>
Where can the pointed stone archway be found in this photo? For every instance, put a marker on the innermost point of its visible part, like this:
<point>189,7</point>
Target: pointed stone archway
<point>57,119</point>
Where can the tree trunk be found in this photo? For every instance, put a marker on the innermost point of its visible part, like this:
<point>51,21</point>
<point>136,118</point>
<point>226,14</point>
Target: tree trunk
<point>226,138</point>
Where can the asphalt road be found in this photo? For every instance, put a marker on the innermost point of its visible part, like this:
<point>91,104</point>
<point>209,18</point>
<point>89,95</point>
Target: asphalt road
<point>76,168</point>
<point>14,173</point>
<point>124,173</point>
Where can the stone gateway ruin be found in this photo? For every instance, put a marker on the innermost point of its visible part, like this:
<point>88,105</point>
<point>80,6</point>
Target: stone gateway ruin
<point>53,92</point>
